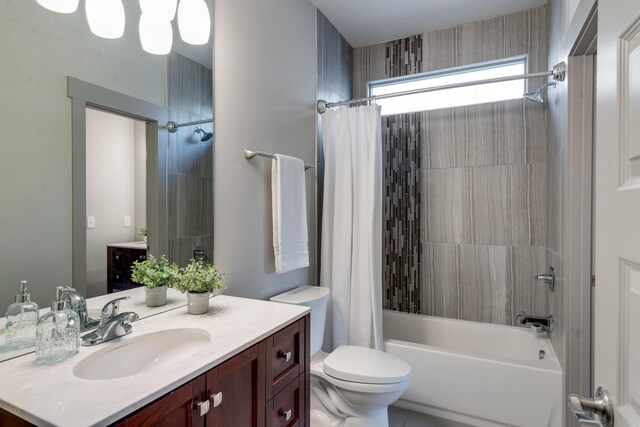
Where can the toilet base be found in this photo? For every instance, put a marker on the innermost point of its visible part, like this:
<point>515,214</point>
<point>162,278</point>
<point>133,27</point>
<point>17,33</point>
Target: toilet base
<point>328,409</point>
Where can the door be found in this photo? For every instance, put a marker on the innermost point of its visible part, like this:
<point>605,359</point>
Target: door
<point>617,209</point>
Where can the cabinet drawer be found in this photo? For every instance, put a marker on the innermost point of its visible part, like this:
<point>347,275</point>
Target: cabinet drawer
<point>287,408</point>
<point>285,357</point>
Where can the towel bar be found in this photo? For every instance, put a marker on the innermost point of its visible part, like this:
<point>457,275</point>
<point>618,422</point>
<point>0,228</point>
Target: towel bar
<point>250,154</point>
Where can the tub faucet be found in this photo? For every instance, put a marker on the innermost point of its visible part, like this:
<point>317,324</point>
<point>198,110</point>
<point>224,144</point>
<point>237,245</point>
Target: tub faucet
<point>539,323</point>
<point>112,324</point>
<point>78,304</point>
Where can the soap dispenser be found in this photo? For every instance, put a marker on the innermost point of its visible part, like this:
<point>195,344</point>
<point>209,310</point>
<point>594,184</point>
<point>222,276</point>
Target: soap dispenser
<point>22,317</point>
<point>58,332</point>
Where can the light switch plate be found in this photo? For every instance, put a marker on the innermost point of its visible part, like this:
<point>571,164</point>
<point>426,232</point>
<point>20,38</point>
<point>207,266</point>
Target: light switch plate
<point>127,221</point>
<point>91,222</point>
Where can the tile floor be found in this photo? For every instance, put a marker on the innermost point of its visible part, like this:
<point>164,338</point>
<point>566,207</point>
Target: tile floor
<point>399,417</point>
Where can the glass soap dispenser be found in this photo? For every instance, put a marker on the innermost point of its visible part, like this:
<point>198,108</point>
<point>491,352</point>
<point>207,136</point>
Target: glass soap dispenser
<point>58,332</point>
<point>22,317</point>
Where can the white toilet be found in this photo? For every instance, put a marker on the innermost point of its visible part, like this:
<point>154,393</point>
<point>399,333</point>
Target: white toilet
<point>352,386</point>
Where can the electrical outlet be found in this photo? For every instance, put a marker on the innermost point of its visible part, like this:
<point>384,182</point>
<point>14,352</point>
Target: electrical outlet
<point>127,221</point>
<point>91,222</point>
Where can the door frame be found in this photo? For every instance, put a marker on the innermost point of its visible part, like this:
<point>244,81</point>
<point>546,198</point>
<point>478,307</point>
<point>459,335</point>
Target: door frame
<point>85,95</point>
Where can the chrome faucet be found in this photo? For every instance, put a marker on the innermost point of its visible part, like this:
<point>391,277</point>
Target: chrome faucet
<point>538,323</point>
<point>112,324</point>
<point>78,304</point>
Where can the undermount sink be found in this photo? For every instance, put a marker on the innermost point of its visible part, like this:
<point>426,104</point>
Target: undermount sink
<point>142,353</point>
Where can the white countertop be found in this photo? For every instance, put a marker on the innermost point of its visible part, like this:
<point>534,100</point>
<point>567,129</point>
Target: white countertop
<point>140,244</point>
<point>49,395</point>
<point>135,303</point>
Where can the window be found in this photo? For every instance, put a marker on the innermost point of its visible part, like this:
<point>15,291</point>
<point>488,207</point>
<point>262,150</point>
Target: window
<point>476,94</point>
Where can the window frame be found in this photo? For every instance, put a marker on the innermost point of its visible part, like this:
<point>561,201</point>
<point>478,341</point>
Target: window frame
<point>480,66</point>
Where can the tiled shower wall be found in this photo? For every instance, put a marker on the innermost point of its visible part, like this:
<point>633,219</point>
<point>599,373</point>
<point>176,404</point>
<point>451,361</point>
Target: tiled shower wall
<point>190,161</point>
<point>464,214</point>
<point>335,67</point>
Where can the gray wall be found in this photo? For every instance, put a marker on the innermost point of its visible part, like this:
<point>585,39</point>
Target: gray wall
<point>190,168</point>
<point>335,68</point>
<point>465,200</point>
<point>110,190</point>
<point>567,190</point>
<point>264,92</point>
<point>35,113</point>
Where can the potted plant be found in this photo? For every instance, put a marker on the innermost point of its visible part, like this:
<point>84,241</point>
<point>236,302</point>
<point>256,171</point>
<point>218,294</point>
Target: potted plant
<point>142,231</point>
<point>156,275</point>
<point>198,280</point>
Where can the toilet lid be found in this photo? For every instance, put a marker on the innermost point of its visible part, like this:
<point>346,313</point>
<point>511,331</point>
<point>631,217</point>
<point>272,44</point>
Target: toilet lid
<point>365,365</point>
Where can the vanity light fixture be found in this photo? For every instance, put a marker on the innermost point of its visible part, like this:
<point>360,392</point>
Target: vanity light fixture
<point>156,35</point>
<point>60,6</point>
<point>164,10</point>
<point>106,18</point>
<point>194,21</point>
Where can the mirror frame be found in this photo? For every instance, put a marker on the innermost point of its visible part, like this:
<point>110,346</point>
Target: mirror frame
<point>85,95</point>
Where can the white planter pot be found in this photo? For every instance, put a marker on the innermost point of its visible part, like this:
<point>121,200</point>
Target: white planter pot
<point>197,303</point>
<point>155,297</point>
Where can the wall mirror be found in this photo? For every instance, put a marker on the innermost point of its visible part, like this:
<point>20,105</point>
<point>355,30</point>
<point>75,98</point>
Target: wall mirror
<point>59,78</point>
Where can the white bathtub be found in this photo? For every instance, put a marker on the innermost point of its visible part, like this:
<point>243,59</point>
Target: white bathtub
<point>476,373</point>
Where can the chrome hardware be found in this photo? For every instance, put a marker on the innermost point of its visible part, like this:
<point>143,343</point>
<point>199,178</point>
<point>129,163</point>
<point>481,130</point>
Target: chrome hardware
<point>78,304</point>
<point>542,354</point>
<point>286,414</point>
<point>601,406</point>
<point>250,154</point>
<point>216,399</point>
<point>112,324</point>
<point>286,355</point>
<point>537,323</point>
<point>548,279</point>
<point>203,407</point>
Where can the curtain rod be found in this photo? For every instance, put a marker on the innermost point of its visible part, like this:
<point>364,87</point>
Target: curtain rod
<point>558,73</point>
<point>173,126</point>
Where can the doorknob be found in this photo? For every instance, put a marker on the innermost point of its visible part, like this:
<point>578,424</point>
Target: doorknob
<point>601,406</point>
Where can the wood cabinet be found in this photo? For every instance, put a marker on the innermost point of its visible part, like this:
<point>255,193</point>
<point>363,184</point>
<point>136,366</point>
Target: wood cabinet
<point>119,262</point>
<point>265,385</point>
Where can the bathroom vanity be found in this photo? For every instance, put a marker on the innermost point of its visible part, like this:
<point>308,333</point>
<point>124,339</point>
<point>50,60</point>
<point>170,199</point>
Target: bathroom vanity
<point>247,365</point>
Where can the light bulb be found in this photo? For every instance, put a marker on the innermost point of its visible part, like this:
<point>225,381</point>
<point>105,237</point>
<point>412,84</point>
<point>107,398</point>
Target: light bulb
<point>194,21</point>
<point>163,10</point>
<point>106,18</point>
<point>60,6</point>
<point>156,36</point>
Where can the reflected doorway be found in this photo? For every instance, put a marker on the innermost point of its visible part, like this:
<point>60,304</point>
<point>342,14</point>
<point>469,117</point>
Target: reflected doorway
<point>115,199</point>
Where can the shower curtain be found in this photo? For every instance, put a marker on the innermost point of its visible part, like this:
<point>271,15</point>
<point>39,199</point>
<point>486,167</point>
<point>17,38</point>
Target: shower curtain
<point>351,226</point>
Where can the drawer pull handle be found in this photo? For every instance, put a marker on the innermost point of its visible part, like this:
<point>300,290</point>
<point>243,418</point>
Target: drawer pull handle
<point>216,399</point>
<point>286,414</point>
<point>203,407</point>
<point>286,355</point>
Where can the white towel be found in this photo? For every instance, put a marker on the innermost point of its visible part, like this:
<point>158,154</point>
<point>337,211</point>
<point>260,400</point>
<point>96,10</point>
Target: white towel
<point>288,195</point>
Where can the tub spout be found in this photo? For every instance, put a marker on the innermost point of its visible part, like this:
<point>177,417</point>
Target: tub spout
<point>538,323</point>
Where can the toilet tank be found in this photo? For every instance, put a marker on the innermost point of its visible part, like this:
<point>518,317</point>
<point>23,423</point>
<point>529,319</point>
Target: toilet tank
<point>309,296</point>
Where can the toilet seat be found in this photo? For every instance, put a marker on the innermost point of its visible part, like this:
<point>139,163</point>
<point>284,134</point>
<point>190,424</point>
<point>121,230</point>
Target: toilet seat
<point>319,369</point>
<point>366,365</point>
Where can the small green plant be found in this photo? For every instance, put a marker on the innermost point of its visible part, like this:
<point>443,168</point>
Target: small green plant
<point>142,231</point>
<point>154,273</point>
<point>198,277</point>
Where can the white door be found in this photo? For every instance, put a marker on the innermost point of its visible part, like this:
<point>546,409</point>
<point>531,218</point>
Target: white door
<point>617,209</point>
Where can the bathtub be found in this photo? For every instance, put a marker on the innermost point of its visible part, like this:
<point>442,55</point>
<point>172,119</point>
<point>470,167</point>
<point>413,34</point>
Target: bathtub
<point>476,373</point>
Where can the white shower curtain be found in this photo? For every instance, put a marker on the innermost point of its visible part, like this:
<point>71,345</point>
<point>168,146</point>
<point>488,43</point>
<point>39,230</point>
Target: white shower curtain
<point>351,226</point>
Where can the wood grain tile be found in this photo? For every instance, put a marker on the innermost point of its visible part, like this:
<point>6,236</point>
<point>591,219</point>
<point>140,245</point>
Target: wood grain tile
<point>485,278</point>
<point>441,281</point>
<point>528,294</point>
<point>440,49</point>
<point>448,205</point>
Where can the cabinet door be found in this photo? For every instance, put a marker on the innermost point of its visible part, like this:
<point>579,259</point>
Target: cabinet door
<point>236,390</point>
<point>175,409</point>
